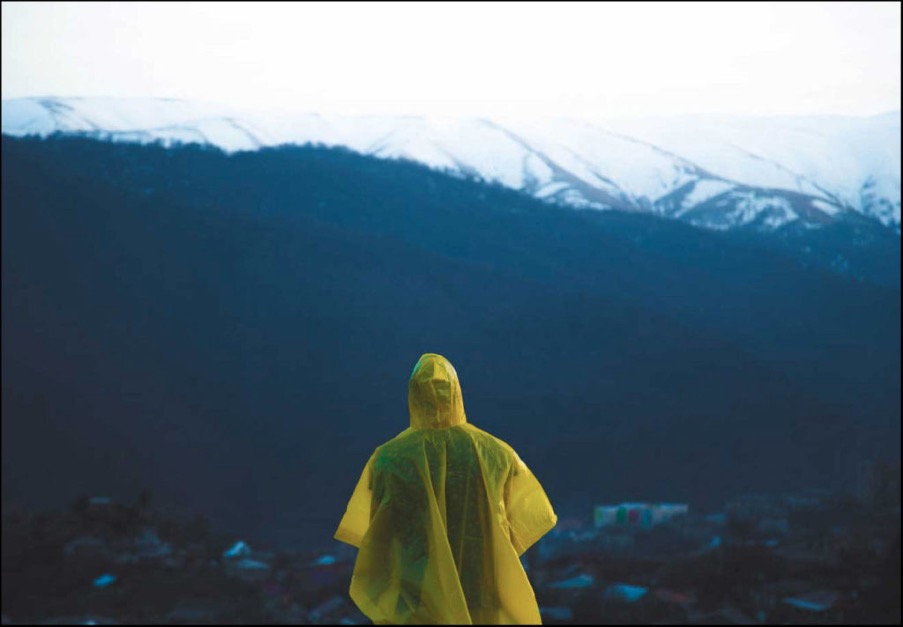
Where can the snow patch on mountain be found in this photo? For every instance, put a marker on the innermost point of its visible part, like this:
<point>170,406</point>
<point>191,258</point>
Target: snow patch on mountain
<point>826,207</point>
<point>704,190</point>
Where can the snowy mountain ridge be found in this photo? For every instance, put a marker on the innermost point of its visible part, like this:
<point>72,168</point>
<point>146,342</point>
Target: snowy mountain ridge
<point>716,172</point>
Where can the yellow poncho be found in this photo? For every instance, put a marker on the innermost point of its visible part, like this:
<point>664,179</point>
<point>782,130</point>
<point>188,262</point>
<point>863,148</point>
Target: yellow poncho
<point>440,515</point>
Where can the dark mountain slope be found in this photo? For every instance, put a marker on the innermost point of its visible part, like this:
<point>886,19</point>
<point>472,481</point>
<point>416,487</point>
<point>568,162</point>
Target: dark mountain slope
<point>237,332</point>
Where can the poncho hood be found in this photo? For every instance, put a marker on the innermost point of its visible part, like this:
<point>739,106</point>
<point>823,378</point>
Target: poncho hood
<point>434,394</point>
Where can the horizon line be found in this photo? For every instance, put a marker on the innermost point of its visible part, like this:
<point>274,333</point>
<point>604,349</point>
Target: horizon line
<point>301,110</point>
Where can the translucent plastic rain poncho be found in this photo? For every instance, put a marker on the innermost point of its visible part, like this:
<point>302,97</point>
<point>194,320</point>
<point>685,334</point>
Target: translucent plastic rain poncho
<point>441,514</point>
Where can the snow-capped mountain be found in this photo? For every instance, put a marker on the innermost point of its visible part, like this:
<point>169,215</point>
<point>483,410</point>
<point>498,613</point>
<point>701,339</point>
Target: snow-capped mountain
<point>716,172</point>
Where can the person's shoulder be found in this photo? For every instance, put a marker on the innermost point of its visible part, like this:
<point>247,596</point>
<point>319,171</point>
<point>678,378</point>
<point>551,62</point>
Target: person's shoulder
<point>401,442</point>
<point>491,442</point>
<point>485,436</point>
<point>401,437</point>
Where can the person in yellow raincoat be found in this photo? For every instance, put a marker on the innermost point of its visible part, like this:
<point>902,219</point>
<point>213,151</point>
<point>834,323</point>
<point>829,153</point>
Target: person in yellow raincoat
<point>440,516</point>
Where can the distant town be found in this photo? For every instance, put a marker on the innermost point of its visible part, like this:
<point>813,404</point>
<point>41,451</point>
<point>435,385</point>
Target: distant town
<point>817,557</point>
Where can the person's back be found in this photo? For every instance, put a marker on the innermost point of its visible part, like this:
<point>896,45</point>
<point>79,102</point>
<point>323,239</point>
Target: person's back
<point>441,514</point>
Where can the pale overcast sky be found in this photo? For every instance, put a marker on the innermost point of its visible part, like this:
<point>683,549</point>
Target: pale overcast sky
<point>577,59</point>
